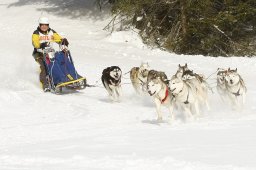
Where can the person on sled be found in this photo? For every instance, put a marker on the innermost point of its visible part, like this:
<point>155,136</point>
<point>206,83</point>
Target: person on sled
<point>41,39</point>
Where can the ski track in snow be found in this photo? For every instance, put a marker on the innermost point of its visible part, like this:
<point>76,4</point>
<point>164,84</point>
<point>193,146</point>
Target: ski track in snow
<point>84,130</point>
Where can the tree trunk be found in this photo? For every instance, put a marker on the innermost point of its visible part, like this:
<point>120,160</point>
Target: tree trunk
<point>183,16</point>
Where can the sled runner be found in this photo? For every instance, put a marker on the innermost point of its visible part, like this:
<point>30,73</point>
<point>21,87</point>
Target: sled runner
<point>61,71</point>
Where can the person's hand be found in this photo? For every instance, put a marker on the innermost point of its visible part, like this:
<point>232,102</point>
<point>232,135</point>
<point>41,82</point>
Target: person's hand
<point>64,42</point>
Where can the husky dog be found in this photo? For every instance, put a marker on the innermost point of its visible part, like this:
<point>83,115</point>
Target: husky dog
<point>153,74</point>
<point>189,74</point>
<point>158,88</point>
<point>111,79</point>
<point>186,95</point>
<point>185,73</point>
<point>221,83</point>
<point>197,81</point>
<point>138,76</point>
<point>235,87</point>
<point>181,70</point>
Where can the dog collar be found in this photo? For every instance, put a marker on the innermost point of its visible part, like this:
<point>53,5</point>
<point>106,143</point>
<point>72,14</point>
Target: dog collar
<point>166,95</point>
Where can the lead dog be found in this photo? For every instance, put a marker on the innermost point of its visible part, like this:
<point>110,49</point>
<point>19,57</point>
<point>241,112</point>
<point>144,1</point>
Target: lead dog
<point>138,76</point>
<point>111,79</point>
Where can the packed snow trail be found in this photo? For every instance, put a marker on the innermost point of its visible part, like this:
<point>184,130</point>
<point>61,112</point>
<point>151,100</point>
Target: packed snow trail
<point>84,130</point>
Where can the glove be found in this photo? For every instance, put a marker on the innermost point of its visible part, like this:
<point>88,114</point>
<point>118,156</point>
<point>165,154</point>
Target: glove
<point>64,42</point>
<point>43,45</point>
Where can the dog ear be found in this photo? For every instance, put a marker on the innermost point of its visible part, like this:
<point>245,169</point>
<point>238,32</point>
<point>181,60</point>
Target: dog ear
<point>179,66</point>
<point>186,65</point>
<point>236,70</point>
<point>229,69</point>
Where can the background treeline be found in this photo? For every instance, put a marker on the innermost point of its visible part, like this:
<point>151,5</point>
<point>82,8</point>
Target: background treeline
<point>207,27</point>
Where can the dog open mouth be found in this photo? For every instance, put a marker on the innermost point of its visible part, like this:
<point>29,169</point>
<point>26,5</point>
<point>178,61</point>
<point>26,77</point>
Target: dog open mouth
<point>116,77</point>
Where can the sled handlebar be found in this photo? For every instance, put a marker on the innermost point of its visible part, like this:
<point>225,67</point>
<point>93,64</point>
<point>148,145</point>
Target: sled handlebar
<point>46,50</point>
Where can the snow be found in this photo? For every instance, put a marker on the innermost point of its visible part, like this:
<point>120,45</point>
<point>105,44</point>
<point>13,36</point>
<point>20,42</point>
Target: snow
<point>84,130</point>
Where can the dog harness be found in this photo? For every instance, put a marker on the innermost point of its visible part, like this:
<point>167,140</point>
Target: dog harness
<point>166,95</point>
<point>237,93</point>
<point>186,102</point>
<point>114,82</point>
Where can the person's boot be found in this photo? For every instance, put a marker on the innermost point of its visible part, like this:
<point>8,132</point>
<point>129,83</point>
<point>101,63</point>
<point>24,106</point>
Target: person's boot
<point>46,88</point>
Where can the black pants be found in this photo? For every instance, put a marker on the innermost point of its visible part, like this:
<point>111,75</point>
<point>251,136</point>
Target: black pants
<point>42,75</point>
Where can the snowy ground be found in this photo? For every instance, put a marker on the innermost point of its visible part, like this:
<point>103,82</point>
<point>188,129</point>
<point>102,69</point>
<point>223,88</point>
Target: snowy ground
<point>84,130</point>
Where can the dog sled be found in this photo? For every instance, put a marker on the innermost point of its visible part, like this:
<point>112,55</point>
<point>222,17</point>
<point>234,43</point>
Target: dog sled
<point>61,72</point>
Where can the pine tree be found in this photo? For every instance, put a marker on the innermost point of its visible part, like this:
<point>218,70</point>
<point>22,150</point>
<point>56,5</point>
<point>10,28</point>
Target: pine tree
<point>207,27</point>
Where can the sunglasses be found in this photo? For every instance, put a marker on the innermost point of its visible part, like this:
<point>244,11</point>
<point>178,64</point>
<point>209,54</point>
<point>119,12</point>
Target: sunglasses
<point>44,25</point>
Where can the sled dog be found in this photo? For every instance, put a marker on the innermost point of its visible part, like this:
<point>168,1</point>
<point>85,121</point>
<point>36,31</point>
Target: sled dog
<point>235,87</point>
<point>138,76</point>
<point>181,70</point>
<point>153,74</point>
<point>198,82</point>
<point>111,79</point>
<point>159,90</point>
<point>221,84</point>
<point>186,96</point>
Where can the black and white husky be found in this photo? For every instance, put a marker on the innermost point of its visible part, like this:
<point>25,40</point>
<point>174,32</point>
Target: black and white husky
<point>111,79</point>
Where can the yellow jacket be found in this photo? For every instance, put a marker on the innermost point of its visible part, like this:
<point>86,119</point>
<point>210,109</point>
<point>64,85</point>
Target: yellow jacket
<point>39,37</point>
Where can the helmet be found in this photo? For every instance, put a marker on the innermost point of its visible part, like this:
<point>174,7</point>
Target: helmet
<point>43,20</point>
